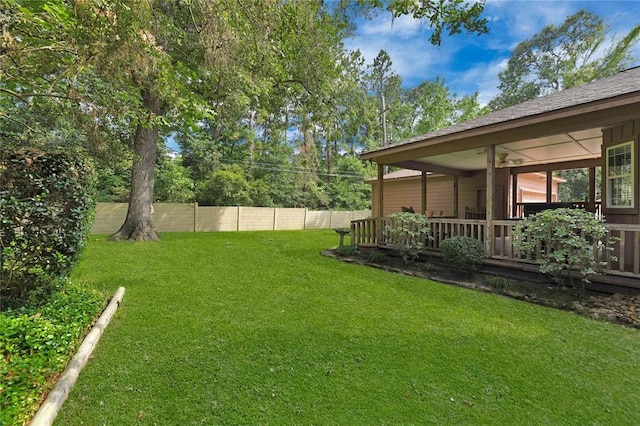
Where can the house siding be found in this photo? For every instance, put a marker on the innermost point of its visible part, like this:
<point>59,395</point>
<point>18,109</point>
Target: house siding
<point>405,192</point>
<point>624,132</point>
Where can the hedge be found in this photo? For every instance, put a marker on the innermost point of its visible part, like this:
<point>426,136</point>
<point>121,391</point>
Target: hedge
<point>46,210</point>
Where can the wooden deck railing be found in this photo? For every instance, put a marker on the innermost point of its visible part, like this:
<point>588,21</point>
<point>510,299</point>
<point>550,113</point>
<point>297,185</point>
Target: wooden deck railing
<point>366,230</point>
<point>626,249</point>
<point>625,259</point>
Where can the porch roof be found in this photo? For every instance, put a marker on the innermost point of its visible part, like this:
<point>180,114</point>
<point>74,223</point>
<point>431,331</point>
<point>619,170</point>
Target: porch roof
<point>561,127</point>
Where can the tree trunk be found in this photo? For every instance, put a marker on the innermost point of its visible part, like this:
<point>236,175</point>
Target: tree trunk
<point>138,226</point>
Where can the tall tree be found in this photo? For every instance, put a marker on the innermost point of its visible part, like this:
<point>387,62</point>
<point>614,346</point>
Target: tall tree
<point>449,16</point>
<point>229,75</point>
<point>381,73</point>
<point>561,57</point>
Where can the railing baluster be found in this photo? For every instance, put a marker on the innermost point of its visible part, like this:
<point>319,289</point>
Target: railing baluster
<point>623,248</point>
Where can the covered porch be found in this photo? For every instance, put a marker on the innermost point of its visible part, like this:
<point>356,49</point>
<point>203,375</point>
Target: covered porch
<point>595,127</point>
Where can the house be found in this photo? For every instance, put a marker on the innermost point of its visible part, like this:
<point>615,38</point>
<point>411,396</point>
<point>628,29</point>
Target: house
<point>595,126</point>
<point>402,189</point>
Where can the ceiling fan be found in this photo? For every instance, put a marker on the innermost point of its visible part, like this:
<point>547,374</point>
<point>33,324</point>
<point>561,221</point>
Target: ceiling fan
<point>502,160</point>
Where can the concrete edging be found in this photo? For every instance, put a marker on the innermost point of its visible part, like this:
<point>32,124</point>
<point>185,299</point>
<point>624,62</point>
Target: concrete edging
<point>49,409</point>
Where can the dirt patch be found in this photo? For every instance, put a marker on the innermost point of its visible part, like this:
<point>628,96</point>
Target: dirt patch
<point>617,308</point>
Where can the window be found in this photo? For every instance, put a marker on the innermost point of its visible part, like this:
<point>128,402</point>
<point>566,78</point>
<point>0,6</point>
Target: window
<point>620,172</point>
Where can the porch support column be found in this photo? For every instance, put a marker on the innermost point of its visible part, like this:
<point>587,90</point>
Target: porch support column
<point>591,202</point>
<point>423,192</point>
<point>380,203</point>
<point>455,197</point>
<point>514,195</point>
<point>491,187</point>
<point>549,185</point>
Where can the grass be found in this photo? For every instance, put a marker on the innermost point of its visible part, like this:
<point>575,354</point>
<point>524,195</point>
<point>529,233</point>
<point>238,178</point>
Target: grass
<point>258,328</point>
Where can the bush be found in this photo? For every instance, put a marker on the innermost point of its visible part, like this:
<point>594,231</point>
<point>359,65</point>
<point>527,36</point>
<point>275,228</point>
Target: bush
<point>378,256</point>
<point>408,232</point>
<point>464,253</point>
<point>429,268</point>
<point>498,282</point>
<point>46,210</point>
<point>347,250</point>
<point>564,240</point>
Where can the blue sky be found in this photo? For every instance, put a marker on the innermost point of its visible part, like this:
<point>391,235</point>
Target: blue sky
<point>471,63</point>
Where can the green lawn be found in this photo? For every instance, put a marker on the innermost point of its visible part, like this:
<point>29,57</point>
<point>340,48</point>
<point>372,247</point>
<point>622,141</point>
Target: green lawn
<point>259,328</point>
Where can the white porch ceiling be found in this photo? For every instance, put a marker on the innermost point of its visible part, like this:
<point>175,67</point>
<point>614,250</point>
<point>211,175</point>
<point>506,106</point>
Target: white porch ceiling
<point>579,145</point>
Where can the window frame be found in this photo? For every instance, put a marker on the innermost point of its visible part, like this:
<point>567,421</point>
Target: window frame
<point>631,175</point>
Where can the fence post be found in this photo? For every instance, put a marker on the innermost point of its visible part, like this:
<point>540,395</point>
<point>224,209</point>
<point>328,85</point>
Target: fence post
<point>195,217</point>
<point>275,217</point>
<point>304,223</point>
<point>238,221</point>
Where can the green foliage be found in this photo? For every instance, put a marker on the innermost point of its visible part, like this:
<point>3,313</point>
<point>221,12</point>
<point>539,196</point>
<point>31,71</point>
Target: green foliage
<point>378,256</point>
<point>408,232</point>
<point>565,240</point>
<point>464,253</point>
<point>226,187</point>
<point>46,210</point>
<point>498,282</point>
<point>451,16</point>
<point>561,57</point>
<point>429,267</point>
<point>348,191</point>
<point>230,86</point>
<point>576,187</point>
<point>35,344</point>
<point>113,181</point>
<point>173,183</point>
<point>347,250</point>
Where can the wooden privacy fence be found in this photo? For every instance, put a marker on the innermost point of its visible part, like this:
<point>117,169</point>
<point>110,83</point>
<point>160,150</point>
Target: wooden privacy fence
<point>170,217</point>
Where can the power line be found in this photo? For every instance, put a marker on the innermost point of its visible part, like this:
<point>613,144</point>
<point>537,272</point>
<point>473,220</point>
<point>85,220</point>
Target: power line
<point>299,170</point>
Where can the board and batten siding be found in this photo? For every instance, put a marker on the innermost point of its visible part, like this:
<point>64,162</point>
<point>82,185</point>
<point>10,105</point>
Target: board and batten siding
<point>405,192</point>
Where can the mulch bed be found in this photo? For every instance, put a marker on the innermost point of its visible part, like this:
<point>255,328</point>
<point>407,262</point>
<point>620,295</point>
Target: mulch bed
<point>616,308</point>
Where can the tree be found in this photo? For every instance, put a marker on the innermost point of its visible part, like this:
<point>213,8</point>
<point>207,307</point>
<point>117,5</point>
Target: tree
<point>173,182</point>
<point>348,190</point>
<point>451,16</point>
<point>101,61</point>
<point>226,187</point>
<point>228,78</point>
<point>380,75</point>
<point>562,57</point>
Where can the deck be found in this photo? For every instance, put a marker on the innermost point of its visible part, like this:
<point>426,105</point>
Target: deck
<point>622,270</point>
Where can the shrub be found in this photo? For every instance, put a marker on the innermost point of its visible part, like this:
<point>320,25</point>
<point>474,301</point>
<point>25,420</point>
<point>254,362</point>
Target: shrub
<point>498,282</point>
<point>564,240</point>
<point>408,232</point>
<point>46,209</point>
<point>347,250</point>
<point>464,253</point>
<point>378,256</point>
<point>429,268</point>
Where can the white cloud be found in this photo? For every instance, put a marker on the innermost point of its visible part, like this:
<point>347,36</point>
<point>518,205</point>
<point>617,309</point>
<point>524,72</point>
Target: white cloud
<point>405,41</point>
<point>482,78</point>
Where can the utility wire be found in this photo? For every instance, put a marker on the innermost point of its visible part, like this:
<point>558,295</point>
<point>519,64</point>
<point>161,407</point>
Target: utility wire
<point>298,170</point>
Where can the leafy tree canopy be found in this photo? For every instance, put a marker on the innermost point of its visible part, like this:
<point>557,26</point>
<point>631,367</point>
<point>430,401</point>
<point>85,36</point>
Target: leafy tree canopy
<point>561,57</point>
